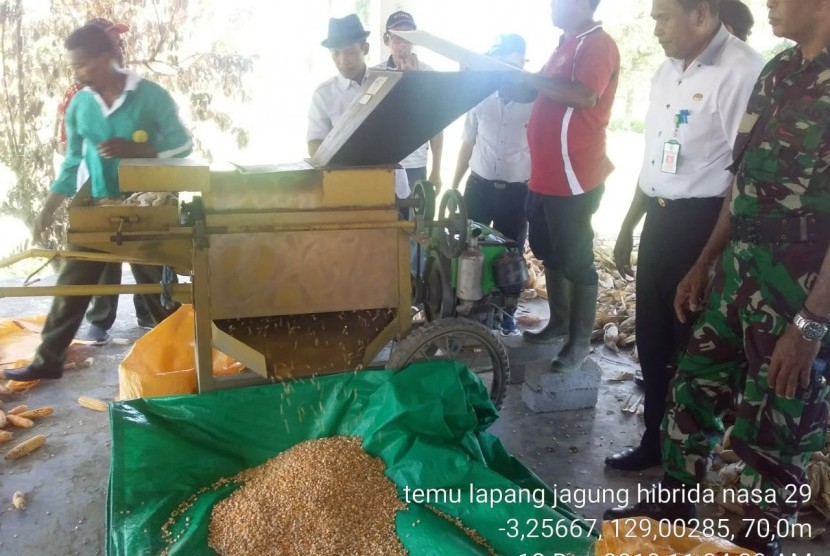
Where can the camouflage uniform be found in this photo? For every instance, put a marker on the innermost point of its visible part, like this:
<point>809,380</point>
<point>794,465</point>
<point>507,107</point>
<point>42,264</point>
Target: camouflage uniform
<point>758,289</point>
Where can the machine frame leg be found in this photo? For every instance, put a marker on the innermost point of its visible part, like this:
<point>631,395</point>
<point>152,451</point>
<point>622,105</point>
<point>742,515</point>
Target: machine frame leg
<point>202,317</point>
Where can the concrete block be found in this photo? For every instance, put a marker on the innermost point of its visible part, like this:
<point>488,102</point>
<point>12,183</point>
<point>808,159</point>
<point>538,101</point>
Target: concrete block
<point>544,391</point>
<point>540,378</point>
<point>520,354</point>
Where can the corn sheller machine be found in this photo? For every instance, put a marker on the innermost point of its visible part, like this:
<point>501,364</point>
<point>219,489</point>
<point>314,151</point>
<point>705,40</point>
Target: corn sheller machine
<point>304,269</point>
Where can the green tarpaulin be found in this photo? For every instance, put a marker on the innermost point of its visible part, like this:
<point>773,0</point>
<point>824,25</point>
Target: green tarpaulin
<point>427,422</point>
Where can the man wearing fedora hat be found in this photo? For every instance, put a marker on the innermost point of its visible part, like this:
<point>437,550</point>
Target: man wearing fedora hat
<point>401,58</point>
<point>347,44</point>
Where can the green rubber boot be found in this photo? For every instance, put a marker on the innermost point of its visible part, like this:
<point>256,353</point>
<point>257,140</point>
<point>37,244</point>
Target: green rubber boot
<point>559,290</point>
<point>583,315</point>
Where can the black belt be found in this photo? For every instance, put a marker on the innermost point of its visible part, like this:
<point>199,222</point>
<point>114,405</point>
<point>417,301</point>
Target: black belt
<point>500,184</point>
<point>789,229</point>
<point>688,202</point>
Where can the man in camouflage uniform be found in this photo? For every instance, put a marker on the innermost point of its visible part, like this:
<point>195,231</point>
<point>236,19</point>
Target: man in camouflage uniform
<point>766,319</point>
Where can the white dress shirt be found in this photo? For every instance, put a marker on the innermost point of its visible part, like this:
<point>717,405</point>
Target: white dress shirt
<point>328,104</point>
<point>714,89</point>
<point>499,129</point>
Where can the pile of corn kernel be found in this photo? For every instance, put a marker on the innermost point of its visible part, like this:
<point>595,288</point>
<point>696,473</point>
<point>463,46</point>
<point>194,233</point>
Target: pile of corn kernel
<point>324,496</point>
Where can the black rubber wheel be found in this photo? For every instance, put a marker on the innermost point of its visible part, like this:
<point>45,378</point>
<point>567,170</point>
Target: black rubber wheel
<point>462,340</point>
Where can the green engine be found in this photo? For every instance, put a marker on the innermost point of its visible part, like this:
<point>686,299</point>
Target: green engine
<point>463,268</point>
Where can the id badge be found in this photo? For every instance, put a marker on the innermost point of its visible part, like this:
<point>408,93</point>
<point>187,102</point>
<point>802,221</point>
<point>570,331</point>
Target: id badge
<point>671,157</point>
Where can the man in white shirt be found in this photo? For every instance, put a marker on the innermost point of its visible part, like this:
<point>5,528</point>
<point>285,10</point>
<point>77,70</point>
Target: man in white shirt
<point>348,47</point>
<point>347,43</point>
<point>494,148</point>
<point>402,58</point>
<point>698,97</point>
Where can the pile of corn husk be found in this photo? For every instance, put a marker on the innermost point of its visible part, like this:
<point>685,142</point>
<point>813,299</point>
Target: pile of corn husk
<point>616,303</point>
<point>818,475</point>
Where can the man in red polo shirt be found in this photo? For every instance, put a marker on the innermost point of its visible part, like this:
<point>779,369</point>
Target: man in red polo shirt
<point>566,135</point>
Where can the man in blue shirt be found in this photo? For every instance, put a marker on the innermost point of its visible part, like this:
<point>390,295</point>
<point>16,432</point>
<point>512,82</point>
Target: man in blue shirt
<point>116,115</point>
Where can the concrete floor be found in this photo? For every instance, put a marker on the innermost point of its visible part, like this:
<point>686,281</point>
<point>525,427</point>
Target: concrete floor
<point>65,482</point>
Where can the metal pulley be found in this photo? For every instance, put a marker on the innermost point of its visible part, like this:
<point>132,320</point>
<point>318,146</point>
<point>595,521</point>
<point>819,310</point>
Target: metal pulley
<point>453,224</point>
<point>423,197</point>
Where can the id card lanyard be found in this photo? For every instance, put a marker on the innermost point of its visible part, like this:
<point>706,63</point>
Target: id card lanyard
<point>671,148</point>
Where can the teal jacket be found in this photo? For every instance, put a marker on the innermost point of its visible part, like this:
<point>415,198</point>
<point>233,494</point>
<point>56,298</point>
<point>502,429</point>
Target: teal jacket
<point>144,112</point>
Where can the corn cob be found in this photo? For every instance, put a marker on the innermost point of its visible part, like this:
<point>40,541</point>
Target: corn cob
<point>19,501</point>
<point>92,403</point>
<point>37,413</point>
<point>20,422</point>
<point>18,409</point>
<point>2,419</point>
<point>21,385</point>
<point>26,447</point>
<point>5,436</point>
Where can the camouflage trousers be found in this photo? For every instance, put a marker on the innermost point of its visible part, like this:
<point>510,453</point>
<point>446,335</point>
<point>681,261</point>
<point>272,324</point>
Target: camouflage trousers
<point>756,292</point>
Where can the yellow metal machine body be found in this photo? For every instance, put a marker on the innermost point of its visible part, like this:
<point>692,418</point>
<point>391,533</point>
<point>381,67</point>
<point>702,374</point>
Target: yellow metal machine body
<point>149,234</point>
<point>296,269</point>
<point>308,267</point>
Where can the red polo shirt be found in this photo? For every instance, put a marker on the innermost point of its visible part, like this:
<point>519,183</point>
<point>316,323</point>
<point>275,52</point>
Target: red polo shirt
<point>567,145</point>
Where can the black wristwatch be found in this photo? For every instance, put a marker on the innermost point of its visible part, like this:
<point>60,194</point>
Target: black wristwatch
<point>811,330</point>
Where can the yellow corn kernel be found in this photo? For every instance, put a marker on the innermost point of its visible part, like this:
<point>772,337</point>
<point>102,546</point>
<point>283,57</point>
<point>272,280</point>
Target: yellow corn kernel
<point>26,447</point>
<point>2,419</point>
<point>17,410</point>
<point>92,403</point>
<point>5,436</point>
